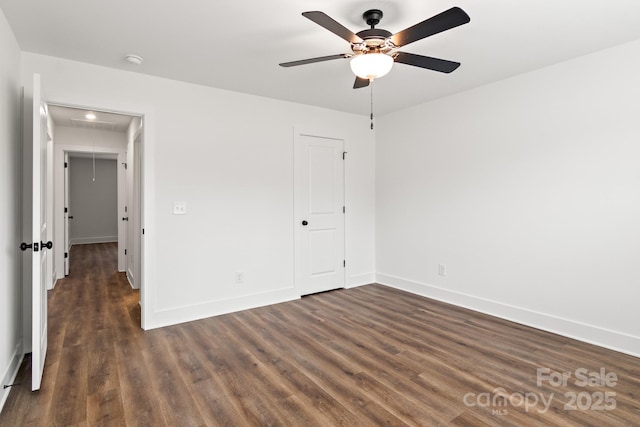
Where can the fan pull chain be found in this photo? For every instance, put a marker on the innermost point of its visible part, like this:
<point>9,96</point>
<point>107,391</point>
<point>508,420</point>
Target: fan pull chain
<point>371,91</point>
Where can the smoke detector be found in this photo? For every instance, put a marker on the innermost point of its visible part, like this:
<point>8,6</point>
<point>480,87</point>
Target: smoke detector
<point>133,59</point>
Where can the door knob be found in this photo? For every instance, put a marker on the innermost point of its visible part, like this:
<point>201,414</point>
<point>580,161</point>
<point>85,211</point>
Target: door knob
<point>305,223</point>
<point>36,246</point>
<point>125,218</point>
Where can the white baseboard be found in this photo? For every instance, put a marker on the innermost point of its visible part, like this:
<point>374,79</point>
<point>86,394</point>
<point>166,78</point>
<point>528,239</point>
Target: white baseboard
<point>591,334</point>
<point>54,280</point>
<point>172,316</point>
<point>10,373</point>
<point>130,279</point>
<point>91,240</point>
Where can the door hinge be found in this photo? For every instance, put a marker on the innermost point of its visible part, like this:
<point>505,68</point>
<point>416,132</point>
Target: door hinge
<point>66,254</point>
<point>66,165</point>
<point>344,153</point>
<point>344,262</point>
<point>125,251</point>
<point>66,210</point>
<point>344,210</point>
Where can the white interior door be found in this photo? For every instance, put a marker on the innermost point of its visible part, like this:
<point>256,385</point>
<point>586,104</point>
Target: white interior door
<point>67,213</point>
<point>137,213</point>
<point>39,233</point>
<point>319,213</point>
<point>133,213</point>
<point>129,215</point>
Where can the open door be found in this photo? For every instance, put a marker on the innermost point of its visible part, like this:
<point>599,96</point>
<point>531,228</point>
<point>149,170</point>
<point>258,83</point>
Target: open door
<point>128,211</point>
<point>133,213</point>
<point>67,215</point>
<point>39,233</point>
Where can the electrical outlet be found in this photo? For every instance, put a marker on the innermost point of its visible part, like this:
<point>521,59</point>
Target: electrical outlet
<point>442,269</point>
<point>239,277</point>
<point>179,208</point>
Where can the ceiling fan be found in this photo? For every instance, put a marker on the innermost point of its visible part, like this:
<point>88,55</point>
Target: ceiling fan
<point>374,50</point>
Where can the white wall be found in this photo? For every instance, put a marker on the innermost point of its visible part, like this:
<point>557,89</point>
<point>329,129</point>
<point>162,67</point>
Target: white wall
<point>229,156</point>
<point>87,138</point>
<point>10,209</point>
<point>93,203</point>
<point>528,190</point>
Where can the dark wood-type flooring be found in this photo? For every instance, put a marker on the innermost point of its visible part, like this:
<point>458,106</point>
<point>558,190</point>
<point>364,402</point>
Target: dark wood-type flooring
<point>361,357</point>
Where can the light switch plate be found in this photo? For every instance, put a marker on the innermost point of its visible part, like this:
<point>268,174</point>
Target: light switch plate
<point>442,269</point>
<point>179,208</point>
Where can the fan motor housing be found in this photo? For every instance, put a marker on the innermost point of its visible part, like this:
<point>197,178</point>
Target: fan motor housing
<point>373,37</point>
<point>374,33</point>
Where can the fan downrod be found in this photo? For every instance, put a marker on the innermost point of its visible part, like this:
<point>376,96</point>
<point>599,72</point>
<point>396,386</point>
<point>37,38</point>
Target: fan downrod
<point>372,17</point>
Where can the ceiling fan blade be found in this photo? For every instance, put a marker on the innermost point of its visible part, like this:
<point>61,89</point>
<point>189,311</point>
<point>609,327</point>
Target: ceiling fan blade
<point>360,82</point>
<point>435,64</point>
<point>312,60</point>
<point>332,25</point>
<point>436,24</point>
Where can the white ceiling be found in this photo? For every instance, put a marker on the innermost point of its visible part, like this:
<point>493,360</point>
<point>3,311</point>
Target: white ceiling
<point>237,45</point>
<point>76,117</point>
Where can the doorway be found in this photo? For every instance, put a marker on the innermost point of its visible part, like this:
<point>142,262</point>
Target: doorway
<point>95,136</point>
<point>92,200</point>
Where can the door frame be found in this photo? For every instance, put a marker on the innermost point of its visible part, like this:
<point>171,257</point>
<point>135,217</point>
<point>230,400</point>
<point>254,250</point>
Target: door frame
<point>62,151</point>
<point>325,134</point>
<point>147,191</point>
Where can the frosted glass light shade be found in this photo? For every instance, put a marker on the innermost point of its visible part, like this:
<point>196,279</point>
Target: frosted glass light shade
<point>371,65</point>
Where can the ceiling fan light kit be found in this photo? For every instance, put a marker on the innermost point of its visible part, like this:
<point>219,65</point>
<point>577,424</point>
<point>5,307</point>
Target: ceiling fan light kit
<point>374,50</point>
<point>371,65</point>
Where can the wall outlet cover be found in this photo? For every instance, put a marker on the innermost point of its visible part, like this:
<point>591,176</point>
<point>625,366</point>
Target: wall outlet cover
<point>179,208</point>
<point>442,269</point>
